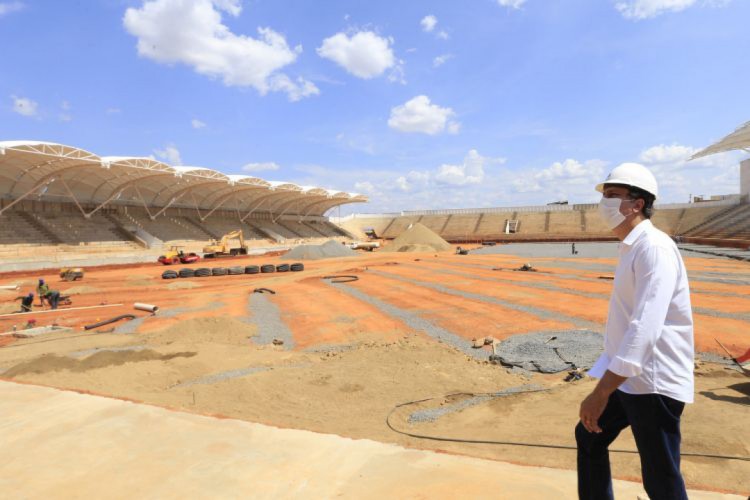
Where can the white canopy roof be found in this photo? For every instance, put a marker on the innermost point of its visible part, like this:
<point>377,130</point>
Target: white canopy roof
<point>54,171</point>
<point>739,139</point>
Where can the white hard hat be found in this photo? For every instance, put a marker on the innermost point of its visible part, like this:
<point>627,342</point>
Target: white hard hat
<point>631,174</point>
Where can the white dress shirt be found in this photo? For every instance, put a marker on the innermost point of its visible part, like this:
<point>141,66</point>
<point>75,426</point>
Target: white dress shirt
<point>649,334</point>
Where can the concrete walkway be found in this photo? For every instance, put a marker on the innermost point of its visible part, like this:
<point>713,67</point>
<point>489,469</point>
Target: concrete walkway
<point>61,444</point>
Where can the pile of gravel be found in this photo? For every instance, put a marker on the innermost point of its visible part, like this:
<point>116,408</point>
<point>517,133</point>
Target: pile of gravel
<point>417,238</point>
<point>329,249</point>
<point>550,352</point>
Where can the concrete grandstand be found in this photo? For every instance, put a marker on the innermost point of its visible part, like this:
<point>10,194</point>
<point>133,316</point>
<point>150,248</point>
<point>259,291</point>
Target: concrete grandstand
<point>721,220</point>
<point>60,203</point>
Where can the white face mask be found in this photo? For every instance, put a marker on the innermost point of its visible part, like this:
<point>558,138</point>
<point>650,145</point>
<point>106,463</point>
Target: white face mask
<point>609,210</point>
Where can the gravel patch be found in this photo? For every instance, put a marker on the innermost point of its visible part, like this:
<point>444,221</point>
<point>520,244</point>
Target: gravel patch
<point>536,311</point>
<point>265,315</point>
<point>415,322</point>
<point>551,351</point>
<point>433,414</point>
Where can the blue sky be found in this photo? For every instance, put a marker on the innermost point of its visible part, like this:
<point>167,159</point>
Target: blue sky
<point>417,104</point>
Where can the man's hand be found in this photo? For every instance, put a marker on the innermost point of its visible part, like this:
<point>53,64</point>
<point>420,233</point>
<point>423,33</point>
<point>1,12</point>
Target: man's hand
<point>591,409</point>
<point>594,404</point>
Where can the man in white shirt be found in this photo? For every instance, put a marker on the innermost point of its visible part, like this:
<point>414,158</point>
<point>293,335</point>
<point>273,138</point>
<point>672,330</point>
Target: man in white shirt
<point>646,370</point>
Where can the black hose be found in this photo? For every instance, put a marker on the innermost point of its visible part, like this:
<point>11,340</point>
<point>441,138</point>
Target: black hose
<point>108,321</point>
<point>264,290</point>
<point>519,443</point>
<point>341,278</point>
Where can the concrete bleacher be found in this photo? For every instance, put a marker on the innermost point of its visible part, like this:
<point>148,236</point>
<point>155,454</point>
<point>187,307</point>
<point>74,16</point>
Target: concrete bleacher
<point>460,226</point>
<point>730,224</point>
<point>578,222</point>
<point>98,230</point>
<point>16,229</point>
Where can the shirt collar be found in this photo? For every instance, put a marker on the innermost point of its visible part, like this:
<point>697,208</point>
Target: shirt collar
<point>634,233</point>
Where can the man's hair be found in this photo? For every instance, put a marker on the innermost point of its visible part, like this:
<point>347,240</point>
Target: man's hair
<point>648,200</point>
<point>639,194</point>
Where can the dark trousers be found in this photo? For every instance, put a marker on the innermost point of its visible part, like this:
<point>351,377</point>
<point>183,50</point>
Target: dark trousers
<point>54,299</point>
<point>655,422</point>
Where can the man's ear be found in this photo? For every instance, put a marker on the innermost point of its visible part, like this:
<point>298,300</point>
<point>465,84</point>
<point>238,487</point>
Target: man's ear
<point>639,204</point>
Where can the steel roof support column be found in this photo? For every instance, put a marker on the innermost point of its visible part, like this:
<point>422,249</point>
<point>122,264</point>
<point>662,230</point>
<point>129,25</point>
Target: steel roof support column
<point>173,200</point>
<point>75,200</point>
<point>138,192</point>
<point>38,185</point>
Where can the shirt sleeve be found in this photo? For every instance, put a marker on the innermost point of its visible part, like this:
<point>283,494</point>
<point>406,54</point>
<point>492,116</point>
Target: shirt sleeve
<point>656,271</point>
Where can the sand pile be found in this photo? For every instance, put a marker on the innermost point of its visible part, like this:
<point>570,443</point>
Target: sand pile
<point>329,249</point>
<point>417,238</point>
<point>55,363</point>
<point>220,330</point>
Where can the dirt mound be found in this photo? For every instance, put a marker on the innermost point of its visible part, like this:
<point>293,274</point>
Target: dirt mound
<point>418,238</point>
<point>182,285</point>
<point>329,249</point>
<point>78,290</point>
<point>221,330</point>
<point>54,363</point>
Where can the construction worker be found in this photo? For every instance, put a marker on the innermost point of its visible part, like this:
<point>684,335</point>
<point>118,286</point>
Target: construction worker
<point>26,302</point>
<point>646,371</point>
<point>41,289</point>
<point>53,298</point>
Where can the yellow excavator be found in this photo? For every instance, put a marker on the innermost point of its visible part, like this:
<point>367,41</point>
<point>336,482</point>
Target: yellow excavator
<point>222,248</point>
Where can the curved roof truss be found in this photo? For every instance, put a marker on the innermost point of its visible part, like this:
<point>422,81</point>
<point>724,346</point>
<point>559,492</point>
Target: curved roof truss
<point>54,171</point>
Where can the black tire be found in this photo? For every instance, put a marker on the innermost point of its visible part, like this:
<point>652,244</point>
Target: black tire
<point>282,268</point>
<point>297,267</point>
<point>202,272</point>
<point>235,270</point>
<point>186,272</point>
<point>252,270</point>
<point>219,271</point>
<point>169,275</point>
<point>267,268</point>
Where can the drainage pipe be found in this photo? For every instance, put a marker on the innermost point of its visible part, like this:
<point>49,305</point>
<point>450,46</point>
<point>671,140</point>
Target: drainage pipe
<point>146,307</point>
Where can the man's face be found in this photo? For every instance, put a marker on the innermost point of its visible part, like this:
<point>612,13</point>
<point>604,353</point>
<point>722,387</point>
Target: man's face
<point>628,206</point>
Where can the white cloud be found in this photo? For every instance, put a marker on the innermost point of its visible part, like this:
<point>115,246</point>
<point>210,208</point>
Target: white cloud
<point>471,171</point>
<point>402,184</point>
<point>645,9</point>
<point>443,35</point>
<point>440,60</point>
<point>260,167</point>
<point>10,7</point>
<point>365,187</point>
<point>419,115</point>
<point>192,33</point>
<point>24,106</point>
<point>196,123</point>
<point>678,177</point>
<point>113,111</point>
<point>513,4</point>
<point>364,55</point>
<point>170,154</point>
<point>65,116</point>
<point>428,23</point>
<point>566,180</point>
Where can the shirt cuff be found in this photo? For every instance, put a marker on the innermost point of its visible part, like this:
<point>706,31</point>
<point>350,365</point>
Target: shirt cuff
<point>597,371</point>
<point>624,368</point>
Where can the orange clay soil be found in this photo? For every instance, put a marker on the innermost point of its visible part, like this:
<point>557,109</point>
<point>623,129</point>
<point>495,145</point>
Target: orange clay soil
<point>352,363</point>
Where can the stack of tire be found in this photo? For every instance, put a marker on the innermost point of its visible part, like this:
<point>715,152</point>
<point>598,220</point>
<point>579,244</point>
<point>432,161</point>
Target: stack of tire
<point>205,272</point>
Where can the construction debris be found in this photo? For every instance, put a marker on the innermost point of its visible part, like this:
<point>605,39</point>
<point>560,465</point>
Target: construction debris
<point>146,307</point>
<point>341,278</point>
<point>550,352</point>
<point>109,321</point>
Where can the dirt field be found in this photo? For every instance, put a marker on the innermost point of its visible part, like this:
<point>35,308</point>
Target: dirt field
<point>354,351</point>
